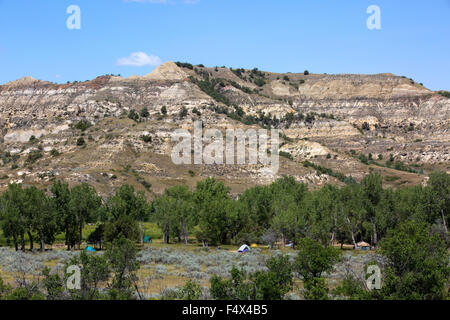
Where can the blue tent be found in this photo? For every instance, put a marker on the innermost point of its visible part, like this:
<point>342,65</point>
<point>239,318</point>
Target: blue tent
<point>147,239</point>
<point>90,249</point>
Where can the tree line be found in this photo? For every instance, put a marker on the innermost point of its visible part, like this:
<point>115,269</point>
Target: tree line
<point>285,211</point>
<point>42,214</point>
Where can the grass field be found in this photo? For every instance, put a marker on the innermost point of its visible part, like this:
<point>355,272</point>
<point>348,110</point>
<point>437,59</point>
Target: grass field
<point>164,266</point>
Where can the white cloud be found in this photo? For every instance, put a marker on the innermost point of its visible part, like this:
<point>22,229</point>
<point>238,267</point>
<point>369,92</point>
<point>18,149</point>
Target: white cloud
<point>139,59</point>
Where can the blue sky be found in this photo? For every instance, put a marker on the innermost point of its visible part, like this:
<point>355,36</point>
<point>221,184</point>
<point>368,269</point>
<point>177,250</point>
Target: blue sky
<point>280,36</point>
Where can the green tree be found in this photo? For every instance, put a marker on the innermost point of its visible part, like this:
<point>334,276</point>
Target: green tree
<point>418,263</point>
<point>184,209</point>
<point>84,203</point>
<point>14,214</point>
<point>126,203</point>
<point>81,142</point>
<point>212,203</point>
<point>42,215</point>
<point>66,217</point>
<point>257,213</point>
<point>372,188</point>
<point>275,283</point>
<point>352,212</point>
<point>284,221</point>
<point>287,217</point>
<point>440,186</point>
<point>311,262</point>
<point>95,269</point>
<point>124,226</point>
<point>53,285</point>
<point>97,236</point>
<point>174,212</point>
<point>121,255</point>
<point>164,209</point>
<point>323,214</point>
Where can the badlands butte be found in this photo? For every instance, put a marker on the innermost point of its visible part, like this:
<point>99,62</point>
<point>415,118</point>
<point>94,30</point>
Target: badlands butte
<point>114,130</point>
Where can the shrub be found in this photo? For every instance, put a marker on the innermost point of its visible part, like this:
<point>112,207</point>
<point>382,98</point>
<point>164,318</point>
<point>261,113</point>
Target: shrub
<point>183,112</point>
<point>133,115</point>
<point>444,93</point>
<point>286,155</point>
<point>80,142</point>
<point>184,65</point>
<point>272,284</point>
<point>33,156</point>
<point>146,138</point>
<point>54,153</point>
<point>365,126</point>
<point>82,125</point>
<point>312,261</point>
<point>259,82</point>
<point>209,87</point>
<point>144,112</point>
<point>363,159</point>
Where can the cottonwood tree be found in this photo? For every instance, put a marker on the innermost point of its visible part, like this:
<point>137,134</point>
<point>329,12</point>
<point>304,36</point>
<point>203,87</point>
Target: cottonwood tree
<point>124,208</point>
<point>212,200</point>
<point>43,217</point>
<point>14,214</point>
<point>66,217</point>
<point>372,188</point>
<point>350,205</point>
<point>440,186</point>
<point>257,214</point>
<point>11,207</point>
<point>173,212</point>
<point>164,209</point>
<point>84,203</point>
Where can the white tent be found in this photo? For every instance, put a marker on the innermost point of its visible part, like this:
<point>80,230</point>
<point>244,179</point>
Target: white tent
<point>244,248</point>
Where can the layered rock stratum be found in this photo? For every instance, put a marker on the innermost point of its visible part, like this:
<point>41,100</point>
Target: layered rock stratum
<point>327,120</point>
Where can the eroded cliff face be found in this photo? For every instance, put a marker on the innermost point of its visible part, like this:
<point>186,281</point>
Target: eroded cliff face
<point>326,119</point>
